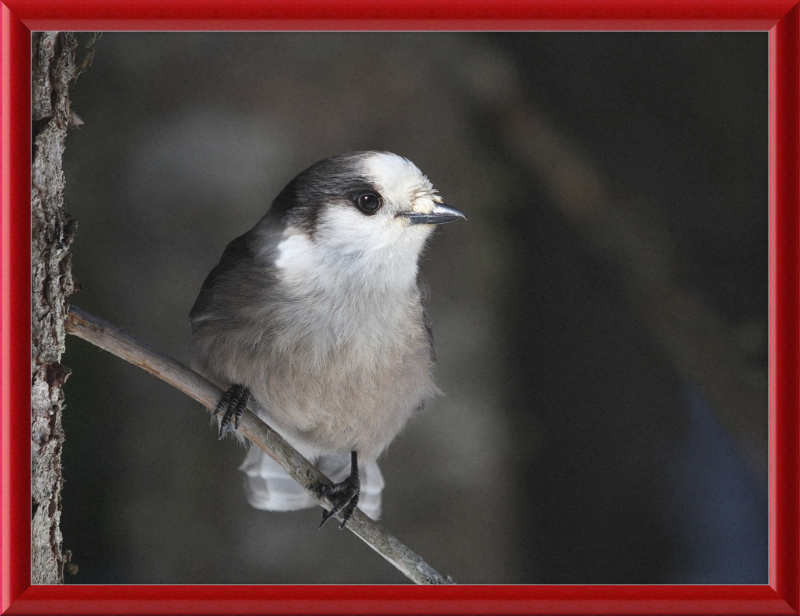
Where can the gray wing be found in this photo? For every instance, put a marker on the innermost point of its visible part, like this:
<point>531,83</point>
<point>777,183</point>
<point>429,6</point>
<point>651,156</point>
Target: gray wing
<point>424,296</point>
<point>237,255</point>
<point>244,277</point>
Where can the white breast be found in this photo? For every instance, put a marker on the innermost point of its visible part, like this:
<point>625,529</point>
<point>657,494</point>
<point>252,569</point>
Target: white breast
<point>349,361</point>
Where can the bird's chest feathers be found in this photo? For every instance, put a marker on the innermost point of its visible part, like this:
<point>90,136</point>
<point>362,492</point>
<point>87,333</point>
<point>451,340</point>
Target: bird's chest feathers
<point>342,303</point>
<point>349,360</point>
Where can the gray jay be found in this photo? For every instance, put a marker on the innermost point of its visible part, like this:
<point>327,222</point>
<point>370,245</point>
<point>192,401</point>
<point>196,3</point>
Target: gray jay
<point>319,313</point>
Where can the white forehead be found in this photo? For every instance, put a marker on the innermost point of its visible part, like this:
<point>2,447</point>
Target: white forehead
<point>397,178</point>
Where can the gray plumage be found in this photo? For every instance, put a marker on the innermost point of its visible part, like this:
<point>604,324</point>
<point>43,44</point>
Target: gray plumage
<point>320,312</point>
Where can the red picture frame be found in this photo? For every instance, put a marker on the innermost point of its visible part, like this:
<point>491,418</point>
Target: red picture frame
<point>781,18</point>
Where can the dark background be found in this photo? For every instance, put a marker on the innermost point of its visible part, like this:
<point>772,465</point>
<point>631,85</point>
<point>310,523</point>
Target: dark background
<point>597,317</point>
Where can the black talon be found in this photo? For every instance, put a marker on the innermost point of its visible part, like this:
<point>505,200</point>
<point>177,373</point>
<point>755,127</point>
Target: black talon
<point>234,402</point>
<point>349,489</point>
<point>223,403</point>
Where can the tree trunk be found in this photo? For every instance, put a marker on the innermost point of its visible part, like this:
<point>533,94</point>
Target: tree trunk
<point>53,64</point>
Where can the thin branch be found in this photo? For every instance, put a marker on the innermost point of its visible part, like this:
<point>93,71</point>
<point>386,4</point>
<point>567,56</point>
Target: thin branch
<point>114,340</point>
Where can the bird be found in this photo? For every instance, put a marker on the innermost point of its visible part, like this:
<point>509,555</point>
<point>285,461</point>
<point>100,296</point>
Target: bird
<point>320,314</point>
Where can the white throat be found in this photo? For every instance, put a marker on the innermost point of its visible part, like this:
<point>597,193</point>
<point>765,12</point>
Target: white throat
<point>358,297</point>
<point>336,260</point>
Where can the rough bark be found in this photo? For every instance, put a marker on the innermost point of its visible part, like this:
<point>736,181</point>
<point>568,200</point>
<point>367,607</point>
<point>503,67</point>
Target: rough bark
<point>52,230</point>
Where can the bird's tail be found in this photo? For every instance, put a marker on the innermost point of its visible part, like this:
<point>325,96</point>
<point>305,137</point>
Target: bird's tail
<point>269,487</point>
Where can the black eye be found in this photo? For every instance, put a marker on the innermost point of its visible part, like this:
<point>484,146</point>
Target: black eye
<point>369,202</point>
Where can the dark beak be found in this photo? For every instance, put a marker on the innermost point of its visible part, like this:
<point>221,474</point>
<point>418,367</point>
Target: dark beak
<point>440,214</point>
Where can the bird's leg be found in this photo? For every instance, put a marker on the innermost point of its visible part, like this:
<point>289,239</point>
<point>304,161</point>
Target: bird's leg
<point>233,402</point>
<point>348,491</point>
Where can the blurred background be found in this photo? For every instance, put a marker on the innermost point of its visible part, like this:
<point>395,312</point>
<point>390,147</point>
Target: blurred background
<point>601,318</point>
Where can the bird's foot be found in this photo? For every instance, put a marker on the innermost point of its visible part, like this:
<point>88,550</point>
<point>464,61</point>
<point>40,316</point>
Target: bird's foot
<point>233,402</point>
<point>343,495</point>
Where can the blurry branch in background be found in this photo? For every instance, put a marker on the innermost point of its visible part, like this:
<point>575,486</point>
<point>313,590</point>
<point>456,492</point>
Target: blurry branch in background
<point>628,232</point>
<point>103,334</point>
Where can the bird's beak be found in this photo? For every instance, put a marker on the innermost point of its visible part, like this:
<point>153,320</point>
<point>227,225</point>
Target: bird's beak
<point>439,215</point>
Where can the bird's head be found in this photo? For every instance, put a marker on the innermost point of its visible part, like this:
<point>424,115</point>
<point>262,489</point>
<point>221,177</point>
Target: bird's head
<point>363,210</point>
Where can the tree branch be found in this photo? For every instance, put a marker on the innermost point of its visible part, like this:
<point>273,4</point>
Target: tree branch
<point>114,340</point>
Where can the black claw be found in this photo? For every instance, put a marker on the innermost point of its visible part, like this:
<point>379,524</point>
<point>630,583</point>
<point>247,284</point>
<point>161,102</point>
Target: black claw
<point>326,515</point>
<point>223,403</point>
<point>349,489</point>
<point>348,511</point>
<point>233,402</point>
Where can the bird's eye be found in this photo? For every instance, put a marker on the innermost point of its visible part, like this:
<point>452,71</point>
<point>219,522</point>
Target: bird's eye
<point>369,202</point>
